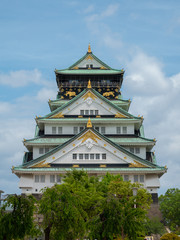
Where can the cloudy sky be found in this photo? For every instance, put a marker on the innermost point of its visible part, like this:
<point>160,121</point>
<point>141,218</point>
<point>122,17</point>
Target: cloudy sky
<point>140,36</point>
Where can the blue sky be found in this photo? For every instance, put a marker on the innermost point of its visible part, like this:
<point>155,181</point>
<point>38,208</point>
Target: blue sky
<point>140,36</point>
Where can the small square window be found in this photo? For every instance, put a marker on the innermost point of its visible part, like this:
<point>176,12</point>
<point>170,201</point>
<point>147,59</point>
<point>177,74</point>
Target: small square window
<point>53,130</point>
<point>81,128</point>
<point>126,178</point>
<point>41,150</point>
<point>124,130</point>
<point>46,150</point>
<point>36,178</point>
<point>103,130</point>
<point>74,156</point>
<point>96,112</point>
<point>98,156</point>
<point>137,150</point>
<point>135,178</point>
<point>91,156</point>
<point>75,130</point>
<point>104,156</point>
<point>131,149</point>
<point>141,178</point>
<point>86,112</point>
<point>118,130</point>
<point>91,65</point>
<point>91,112</point>
<point>42,178</point>
<point>87,65</point>
<point>97,129</point>
<point>58,178</point>
<point>81,112</point>
<point>86,156</point>
<point>52,178</point>
<point>59,130</point>
<point>80,156</point>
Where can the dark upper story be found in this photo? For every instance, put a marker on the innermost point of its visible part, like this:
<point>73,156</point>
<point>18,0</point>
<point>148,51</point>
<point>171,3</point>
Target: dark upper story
<point>74,79</point>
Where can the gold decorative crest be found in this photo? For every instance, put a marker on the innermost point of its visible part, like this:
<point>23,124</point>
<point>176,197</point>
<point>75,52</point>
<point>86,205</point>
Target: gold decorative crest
<point>89,94</point>
<point>119,115</point>
<point>59,115</point>
<point>41,165</point>
<point>137,164</point>
<point>89,124</point>
<point>89,57</point>
<point>107,94</point>
<point>87,135</point>
<point>103,68</point>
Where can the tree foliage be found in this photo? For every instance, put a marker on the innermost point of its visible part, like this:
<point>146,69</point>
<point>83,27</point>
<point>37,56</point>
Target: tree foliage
<point>154,226</point>
<point>17,222</point>
<point>169,206</point>
<point>170,236</point>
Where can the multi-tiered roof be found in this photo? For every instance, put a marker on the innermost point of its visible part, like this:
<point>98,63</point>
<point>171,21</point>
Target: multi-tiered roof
<point>89,127</point>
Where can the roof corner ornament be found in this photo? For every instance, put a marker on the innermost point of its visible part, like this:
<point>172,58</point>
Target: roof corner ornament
<point>89,48</point>
<point>89,124</point>
<point>89,84</point>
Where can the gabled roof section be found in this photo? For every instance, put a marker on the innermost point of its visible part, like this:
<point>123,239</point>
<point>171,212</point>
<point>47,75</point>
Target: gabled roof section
<point>120,112</point>
<point>90,132</point>
<point>99,67</point>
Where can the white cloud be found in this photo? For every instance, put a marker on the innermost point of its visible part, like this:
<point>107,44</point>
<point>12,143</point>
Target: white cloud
<point>44,94</point>
<point>110,10</point>
<point>21,78</point>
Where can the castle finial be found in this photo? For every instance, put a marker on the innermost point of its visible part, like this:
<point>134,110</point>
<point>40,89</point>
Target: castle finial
<point>89,124</point>
<point>89,84</point>
<point>89,48</point>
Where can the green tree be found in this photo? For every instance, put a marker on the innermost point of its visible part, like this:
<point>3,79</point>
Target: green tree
<point>123,210</point>
<point>154,226</point>
<point>67,207</point>
<point>17,222</point>
<point>169,206</point>
<point>170,236</point>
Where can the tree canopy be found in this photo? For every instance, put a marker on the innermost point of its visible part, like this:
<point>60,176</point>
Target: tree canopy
<point>16,217</point>
<point>169,206</point>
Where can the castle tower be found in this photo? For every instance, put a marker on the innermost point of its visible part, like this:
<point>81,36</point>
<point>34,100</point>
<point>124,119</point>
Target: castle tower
<point>89,127</point>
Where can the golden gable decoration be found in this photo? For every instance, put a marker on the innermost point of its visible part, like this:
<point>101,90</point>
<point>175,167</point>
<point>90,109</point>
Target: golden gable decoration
<point>87,135</point>
<point>41,165</point>
<point>58,115</point>
<point>137,164</point>
<point>89,94</point>
<point>119,115</point>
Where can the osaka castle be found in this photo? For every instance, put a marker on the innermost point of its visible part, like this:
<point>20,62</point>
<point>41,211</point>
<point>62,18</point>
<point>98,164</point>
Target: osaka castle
<point>89,127</point>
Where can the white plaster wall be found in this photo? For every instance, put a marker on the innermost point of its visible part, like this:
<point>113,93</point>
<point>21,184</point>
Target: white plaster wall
<point>142,153</point>
<point>36,151</point>
<point>152,183</point>
<point>68,129</point>
<point>89,61</point>
<point>26,181</point>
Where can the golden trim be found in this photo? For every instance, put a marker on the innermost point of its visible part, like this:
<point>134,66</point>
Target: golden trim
<point>137,164</point>
<point>89,84</point>
<point>119,115</point>
<point>103,67</point>
<point>75,67</point>
<point>41,165</point>
<point>105,145</point>
<point>53,158</point>
<point>71,94</point>
<point>89,134</point>
<point>107,94</point>
<point>58,115</point>
<point>89,57</point>
<point>103,165</point>
<point>89,48</point>
<point>74,145</point>
<point>75,166</point>
<point>98,116</point>
<point>89,94</point>
<point>89,124</point>
<point>80,116</point>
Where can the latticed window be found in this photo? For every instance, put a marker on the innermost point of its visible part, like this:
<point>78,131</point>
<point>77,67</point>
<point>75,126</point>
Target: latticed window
<point>135,178</point>
<point>137,150</point>
<point>118,130</point>
<point>53,130</point>
<point>103,130</point>
<point>59,130</point>
<point>52,178</point>
<point>104,156</point>
<point>75,130</point>
<point>74,156</point>
<point>126,177</point>
<point>41,150</point>
<point>42,178</point>
<point>141,178</point>
<point>124,130</point>
<point>36,178</point>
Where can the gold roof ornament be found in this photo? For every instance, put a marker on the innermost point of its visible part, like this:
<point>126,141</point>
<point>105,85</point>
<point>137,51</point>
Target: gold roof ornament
<point>89,84</point>
<point>89,124</point>
<point>89,48</point>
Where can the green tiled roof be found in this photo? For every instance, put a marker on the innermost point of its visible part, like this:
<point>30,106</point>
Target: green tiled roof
<point>101,136</point>
<point>98,95</point>
<point>89,71</point>
<point>149,170</point>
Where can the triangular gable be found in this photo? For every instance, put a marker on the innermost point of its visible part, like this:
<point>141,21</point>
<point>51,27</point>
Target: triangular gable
<point>89,59</point>
<point>92,100</point>
<point>92,142</point>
